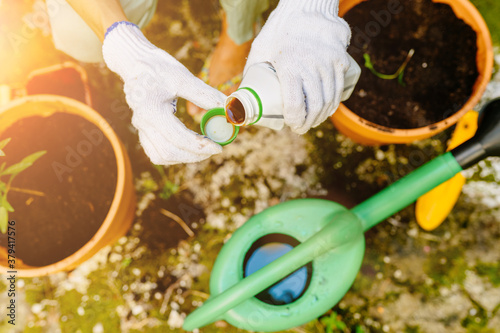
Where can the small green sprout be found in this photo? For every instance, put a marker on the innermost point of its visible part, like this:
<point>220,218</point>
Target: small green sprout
<point>12,171</point>
<point>399,73</point>
<point>333,323</point>
<point>167,187</point>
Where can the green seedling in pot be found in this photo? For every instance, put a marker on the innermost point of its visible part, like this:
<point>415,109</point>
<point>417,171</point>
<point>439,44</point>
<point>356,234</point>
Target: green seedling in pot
<point>294,261</point>
<point>11,172</point>
<point>399,73</point>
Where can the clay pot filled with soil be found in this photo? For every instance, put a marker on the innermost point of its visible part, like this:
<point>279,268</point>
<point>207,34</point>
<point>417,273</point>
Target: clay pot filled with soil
<point>66,79</point>
<point>73,200</point>
<point>442,52</point>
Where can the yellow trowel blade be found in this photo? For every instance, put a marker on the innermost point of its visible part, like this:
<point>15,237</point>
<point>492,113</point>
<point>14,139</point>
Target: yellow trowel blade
<point>433,207</point>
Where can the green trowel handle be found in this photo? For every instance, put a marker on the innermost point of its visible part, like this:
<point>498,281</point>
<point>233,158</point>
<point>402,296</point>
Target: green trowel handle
<point>406,190</point>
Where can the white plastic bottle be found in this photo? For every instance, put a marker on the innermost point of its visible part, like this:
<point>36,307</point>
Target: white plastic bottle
<point>258,100</point>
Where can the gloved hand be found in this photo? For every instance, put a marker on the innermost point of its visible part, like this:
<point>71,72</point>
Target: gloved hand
<point>306,43</point>
<point>153,80</point>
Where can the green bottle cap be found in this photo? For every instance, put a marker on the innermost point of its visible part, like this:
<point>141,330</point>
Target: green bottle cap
<point>215,126</point>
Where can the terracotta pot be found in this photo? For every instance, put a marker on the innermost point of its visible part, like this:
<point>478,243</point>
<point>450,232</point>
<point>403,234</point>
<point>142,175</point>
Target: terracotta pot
<point>59,80</point>
<point>122,210</point>
<point>366,132</point>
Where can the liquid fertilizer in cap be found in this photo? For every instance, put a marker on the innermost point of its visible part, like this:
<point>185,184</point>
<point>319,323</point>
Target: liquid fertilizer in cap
<point>258,101</point>
<point>215,126</point>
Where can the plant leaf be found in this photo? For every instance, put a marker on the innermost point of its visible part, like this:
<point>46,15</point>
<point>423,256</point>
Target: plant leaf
<point>24,164</point>
<point>4,220</point>
<point>399,73</point>
<point>7,206</point>
<point>400,79</point>
<point>4,143</point>
<point>16,168</point>
<point>33,157</point>
<point>369,65</point>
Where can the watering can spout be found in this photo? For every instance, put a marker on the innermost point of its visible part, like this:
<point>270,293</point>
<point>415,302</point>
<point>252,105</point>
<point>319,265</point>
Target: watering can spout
<point>486,142</point>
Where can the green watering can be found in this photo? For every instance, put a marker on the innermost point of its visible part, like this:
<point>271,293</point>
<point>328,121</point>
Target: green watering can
<point>294,261</point>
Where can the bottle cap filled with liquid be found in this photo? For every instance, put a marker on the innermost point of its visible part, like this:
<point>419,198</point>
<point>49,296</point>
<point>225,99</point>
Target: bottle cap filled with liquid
<point>215,126</point>
<point>258,101</point>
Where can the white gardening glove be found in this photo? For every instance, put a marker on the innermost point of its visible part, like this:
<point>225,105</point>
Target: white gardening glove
<point>306,43</point>
<point>153,80</point>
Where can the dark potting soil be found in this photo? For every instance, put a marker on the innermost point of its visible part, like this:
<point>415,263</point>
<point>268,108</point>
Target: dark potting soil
<point>76,181</point>
<point>438,79</point>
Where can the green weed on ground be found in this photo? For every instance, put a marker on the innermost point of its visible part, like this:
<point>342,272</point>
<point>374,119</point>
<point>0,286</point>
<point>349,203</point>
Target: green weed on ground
<point>490,10</point>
